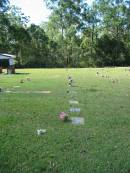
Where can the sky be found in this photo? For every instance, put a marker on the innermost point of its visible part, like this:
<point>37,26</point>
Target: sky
<point>36,9</point>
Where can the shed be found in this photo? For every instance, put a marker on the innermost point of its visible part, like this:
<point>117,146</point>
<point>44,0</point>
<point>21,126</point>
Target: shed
<point>11,62</point>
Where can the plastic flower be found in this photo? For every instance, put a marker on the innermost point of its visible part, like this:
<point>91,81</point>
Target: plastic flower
<point>63,116</point>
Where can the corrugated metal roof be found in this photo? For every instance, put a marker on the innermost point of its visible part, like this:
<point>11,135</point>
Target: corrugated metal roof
<point>7,55</point>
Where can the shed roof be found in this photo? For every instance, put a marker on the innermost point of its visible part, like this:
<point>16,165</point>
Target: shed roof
<point>6,56</point>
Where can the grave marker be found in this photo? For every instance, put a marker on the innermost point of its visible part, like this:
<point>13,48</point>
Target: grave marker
<point>77,120</point>
<point>73,102</point>
<point>74,109</point>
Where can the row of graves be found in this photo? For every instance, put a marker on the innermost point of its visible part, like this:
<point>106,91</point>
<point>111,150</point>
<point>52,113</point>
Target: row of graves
<point>104,74</point>
<point>73,115</point>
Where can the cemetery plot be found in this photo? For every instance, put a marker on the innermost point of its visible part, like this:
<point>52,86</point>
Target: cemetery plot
<point>74,109</point>
<point>77,120</point>
<point>73,102</point>
<point>28,92</point>
<point>40,134</point>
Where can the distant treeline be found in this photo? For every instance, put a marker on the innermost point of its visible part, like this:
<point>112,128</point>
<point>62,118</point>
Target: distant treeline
<point>76,34</point>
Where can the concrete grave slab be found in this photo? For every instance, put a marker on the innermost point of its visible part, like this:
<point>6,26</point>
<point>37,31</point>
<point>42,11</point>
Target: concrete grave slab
<point>77,120</point>
<point>29,92</point>
<point>42,92</point>
<point>74,109</point>
<point>73,102</point>
<point>7,91</point>
<point>16,86</point>
<point>41,131</point>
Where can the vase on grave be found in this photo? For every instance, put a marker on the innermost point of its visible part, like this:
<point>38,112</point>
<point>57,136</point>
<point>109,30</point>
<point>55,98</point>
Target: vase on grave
<point>63,116</point>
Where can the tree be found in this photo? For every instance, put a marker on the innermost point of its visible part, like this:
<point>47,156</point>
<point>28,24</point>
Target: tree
<point>65,20</point>
<point>76,35</point>
<point>3,5</point>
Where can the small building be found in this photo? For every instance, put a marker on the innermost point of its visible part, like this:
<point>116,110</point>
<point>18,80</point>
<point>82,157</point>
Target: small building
<point>10,59</point>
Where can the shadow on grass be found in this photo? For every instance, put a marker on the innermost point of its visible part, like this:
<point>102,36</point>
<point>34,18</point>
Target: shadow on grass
<point>14,74</point>
<point>75,86</point>
<point>68,120</point>
<point>21,73</point>
<point>92,90</point>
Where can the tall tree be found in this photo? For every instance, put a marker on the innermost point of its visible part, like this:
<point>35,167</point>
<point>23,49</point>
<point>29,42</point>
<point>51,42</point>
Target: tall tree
<point>3,5</point>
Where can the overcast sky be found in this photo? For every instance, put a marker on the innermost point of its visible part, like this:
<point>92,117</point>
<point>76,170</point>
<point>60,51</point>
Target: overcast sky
<point>36,9</point>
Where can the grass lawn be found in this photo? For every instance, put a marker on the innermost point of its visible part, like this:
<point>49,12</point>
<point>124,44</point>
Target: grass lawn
<point>101,145</point>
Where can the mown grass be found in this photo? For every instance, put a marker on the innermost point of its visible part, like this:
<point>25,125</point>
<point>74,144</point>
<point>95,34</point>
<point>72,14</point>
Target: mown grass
<point>102,145</point>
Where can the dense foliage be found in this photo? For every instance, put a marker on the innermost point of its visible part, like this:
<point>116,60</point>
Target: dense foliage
<point>76,35</point>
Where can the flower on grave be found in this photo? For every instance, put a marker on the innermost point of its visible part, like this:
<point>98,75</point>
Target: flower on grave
<point>63,116</point>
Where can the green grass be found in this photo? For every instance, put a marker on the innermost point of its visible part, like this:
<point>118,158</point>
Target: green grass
<point>102,145</point>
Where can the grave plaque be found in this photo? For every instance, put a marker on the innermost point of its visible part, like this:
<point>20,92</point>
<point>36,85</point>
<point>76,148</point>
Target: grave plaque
<point>77,120</point>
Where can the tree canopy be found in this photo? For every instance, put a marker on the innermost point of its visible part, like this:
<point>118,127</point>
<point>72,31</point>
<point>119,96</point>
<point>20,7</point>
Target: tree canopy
<point>76,34</point>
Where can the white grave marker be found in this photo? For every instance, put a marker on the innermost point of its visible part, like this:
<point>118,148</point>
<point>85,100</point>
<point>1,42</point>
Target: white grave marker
<point>16,86</point>
<point>74,109</point>
<point>73,102</point>
<point>41,131</point>
<point>77,120</point>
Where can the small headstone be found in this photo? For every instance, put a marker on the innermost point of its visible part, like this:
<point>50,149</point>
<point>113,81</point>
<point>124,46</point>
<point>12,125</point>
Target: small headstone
<point>8,91</point>
<point>41,131</point>
<point>70,80</point>
<point>21,81</point>
<point>77,120</point>
<point>16,86</point>
<point>41,92</point>
<point>73,102</point>
<point>74,109</point>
